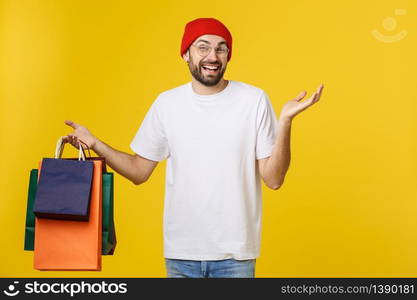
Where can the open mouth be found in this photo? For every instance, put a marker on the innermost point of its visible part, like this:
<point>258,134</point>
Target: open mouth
<point>210,69</point>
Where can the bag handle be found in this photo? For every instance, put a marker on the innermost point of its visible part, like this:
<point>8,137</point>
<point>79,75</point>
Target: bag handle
<point>88,148</point>
<point>60,148</point>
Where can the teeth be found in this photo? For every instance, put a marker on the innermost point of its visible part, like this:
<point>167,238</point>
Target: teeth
<point>210,67</point>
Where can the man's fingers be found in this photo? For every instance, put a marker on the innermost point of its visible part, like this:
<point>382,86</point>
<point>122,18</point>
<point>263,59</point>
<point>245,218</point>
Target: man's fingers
<point>75,142</point>
<point>316,96</point>
<point>65,139</point>
<point>71,139</point>
<point>68,139</point>
<point>300,96</point>
<point>312,98</point>
<point>320,89</point>
<point>72,124</point>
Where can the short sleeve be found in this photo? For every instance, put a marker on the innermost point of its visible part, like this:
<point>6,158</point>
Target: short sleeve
<point>150,140</point>
<point>266,123</point>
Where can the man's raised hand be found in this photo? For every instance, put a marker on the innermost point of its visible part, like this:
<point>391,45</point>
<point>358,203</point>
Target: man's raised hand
<point>295,106</point>
<point>80,133</point>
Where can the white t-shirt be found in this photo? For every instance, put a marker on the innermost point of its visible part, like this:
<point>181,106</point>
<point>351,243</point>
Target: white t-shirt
<point>213,197</point>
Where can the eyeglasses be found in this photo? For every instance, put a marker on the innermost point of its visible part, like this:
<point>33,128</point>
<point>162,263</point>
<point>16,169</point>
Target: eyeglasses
<point>204,50</point>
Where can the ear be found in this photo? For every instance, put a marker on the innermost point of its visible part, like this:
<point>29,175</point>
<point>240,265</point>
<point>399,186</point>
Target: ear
<point>186,56</point>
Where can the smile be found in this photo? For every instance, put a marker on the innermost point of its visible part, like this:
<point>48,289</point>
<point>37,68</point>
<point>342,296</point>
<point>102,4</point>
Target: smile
<point>211,69</point>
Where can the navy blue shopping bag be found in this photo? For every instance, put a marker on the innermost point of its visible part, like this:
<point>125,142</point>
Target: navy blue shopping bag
<point>64,188</point>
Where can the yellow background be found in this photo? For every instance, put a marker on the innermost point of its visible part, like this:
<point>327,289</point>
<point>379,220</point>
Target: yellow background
<point>348,205</point>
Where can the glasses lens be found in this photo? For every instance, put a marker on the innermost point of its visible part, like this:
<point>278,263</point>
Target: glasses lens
<point>203,50</point>
<point>222,51</point>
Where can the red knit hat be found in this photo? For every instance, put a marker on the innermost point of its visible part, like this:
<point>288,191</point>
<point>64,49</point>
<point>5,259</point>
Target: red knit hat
<point>202,26</point>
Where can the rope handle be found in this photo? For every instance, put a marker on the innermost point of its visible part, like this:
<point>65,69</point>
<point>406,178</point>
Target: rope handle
<point>60,148</point>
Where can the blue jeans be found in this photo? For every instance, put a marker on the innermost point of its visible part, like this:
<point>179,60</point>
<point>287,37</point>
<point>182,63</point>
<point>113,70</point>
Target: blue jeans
<point>178,268</point>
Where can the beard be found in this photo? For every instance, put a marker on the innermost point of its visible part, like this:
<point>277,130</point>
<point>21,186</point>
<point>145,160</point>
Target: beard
<point>206,79</point>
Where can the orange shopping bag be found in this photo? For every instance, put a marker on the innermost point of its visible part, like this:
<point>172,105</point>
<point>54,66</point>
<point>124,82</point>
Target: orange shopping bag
<point>72,245</point>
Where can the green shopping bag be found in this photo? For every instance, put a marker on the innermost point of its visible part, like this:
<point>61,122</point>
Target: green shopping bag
<point>108,228</point>
<point>109,232</point>
<point>30,216</point>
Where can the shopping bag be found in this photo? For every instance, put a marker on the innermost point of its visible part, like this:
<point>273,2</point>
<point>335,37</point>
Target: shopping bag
<point>108,227</point>
<point>64,188</point>
<point>30,216</point>
<point>72,245</point>
<point>108,231</point>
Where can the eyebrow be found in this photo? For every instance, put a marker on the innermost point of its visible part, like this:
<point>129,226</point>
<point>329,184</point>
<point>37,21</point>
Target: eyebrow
<point>207,42</point>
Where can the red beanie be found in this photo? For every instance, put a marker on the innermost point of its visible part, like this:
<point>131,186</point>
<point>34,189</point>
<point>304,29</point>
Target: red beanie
<point>202,26</point>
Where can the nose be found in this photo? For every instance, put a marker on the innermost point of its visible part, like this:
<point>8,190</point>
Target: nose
<point>212,55</point>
